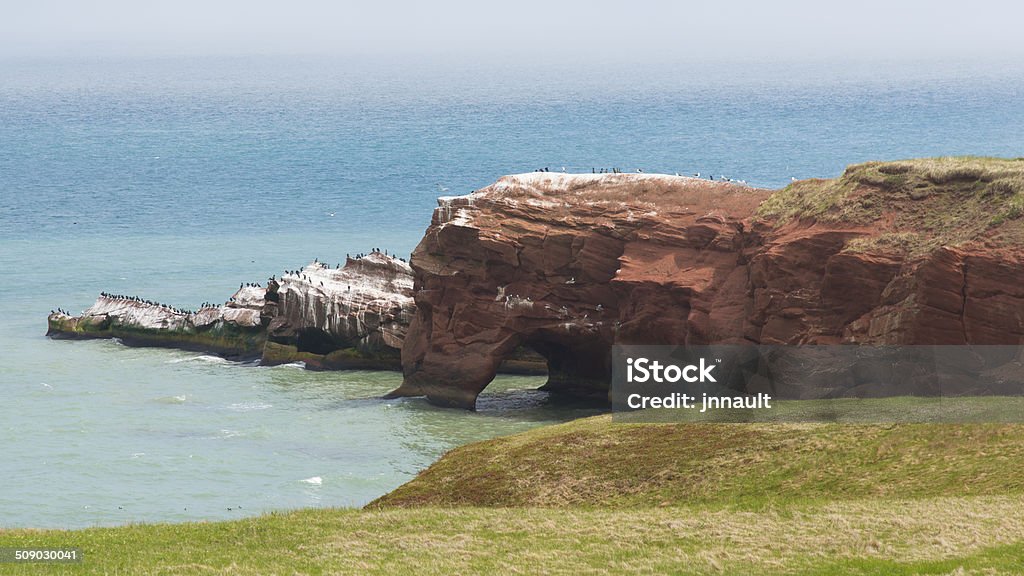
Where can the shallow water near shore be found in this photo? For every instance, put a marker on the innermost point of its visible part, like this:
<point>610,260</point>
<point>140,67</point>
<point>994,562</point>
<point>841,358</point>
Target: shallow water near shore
<point>177,179</point>
<point>98,433</point>
<point>118,434</point>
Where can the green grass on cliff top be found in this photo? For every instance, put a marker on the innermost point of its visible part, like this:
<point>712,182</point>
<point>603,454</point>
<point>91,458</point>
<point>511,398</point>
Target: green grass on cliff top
<point>946,200</point>
<point>598,497</point>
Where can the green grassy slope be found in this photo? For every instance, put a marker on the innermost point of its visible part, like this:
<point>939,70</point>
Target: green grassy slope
<point>594,462</point>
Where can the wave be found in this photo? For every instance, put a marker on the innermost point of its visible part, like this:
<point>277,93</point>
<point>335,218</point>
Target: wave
<point>249,406</point>
<point>178,399</point>
<point>202,358</point>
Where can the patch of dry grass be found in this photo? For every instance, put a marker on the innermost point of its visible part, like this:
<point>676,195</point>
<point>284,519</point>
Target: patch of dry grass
<point>889,243</point>
<point>942,200</point>
<point>933,536</point>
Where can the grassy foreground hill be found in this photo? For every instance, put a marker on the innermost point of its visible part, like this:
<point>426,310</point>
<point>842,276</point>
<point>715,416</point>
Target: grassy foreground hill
<point>593,496</point>
<point>595,462</point>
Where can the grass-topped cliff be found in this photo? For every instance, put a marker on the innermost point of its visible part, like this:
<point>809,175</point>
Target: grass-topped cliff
<point>597,497</point>
<point>916,204</point>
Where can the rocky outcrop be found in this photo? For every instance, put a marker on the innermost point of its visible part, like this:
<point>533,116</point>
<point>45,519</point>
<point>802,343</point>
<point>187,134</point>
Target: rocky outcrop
<point>330,318</point>
<point>350,317</point>
<point>569,265</point>
<point>234,330</point>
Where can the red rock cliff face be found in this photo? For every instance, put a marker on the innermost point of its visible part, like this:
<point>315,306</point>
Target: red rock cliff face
<point>568,265</point>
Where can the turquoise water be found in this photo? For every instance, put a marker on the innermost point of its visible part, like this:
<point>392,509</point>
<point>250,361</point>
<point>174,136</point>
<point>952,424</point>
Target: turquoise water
<point>178,179</point>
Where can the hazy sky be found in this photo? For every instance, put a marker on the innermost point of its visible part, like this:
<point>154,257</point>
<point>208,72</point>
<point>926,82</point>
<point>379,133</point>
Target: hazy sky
<point>537,29</point>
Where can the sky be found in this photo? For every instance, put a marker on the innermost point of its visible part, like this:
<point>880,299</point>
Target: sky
<point>537,30</point>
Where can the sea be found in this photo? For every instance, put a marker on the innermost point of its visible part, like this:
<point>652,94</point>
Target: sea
<point>176,179</point>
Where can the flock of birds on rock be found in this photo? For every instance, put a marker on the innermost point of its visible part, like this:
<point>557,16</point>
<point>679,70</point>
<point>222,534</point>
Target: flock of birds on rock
<point>152,303</point>
<point>298,273</point>
<point>360,256</point>
<point>246,285</point>
<point>324,266</point>
<point>207,305</point>
<point>136,299</point>
<point>721,178</point>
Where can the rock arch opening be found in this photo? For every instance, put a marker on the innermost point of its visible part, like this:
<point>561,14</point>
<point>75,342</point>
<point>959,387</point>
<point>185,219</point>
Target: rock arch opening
<point>579,366</point>
<point>315,341</point>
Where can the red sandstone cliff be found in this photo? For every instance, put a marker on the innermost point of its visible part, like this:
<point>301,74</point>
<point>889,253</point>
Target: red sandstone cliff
<point>568,265</point>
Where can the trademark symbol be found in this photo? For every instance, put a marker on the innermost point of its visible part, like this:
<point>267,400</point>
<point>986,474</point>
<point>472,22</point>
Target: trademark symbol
<point>718,360</point>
